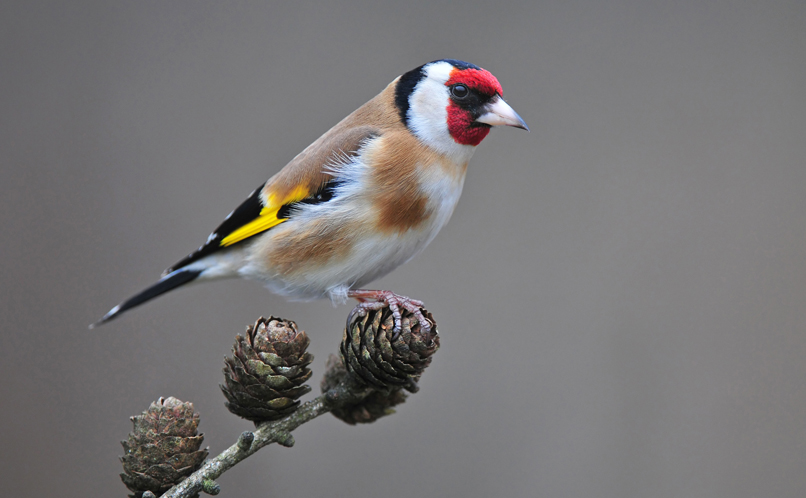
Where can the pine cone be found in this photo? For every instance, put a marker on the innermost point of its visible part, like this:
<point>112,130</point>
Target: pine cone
<point>369,353</point>
<point>378,404</point>
<point>267,373</point>
<point>163,448</point>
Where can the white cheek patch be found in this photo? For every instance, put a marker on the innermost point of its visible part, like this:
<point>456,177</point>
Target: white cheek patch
<point>428,112</point>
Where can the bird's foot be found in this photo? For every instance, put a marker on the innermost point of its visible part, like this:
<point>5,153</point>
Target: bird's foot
<point>377,299</point>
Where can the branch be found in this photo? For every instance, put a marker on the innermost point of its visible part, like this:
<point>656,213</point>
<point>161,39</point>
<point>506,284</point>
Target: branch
<point>263,382</point>
<point>278,431</point>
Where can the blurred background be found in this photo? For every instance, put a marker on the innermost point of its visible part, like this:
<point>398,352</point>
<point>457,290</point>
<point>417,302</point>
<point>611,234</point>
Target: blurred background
<point>620,293</point>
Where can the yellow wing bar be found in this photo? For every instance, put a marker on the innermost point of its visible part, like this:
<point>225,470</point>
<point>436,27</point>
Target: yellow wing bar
<point>266,219</point>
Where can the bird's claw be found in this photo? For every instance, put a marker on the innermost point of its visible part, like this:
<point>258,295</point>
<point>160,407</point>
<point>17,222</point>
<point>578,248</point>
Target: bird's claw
<point>375,300</point>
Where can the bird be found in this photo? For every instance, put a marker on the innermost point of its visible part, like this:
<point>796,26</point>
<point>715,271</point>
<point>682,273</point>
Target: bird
<point>364,198</point>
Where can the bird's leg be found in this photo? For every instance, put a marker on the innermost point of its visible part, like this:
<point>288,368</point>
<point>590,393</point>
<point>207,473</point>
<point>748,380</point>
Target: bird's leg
<point>377,299</point>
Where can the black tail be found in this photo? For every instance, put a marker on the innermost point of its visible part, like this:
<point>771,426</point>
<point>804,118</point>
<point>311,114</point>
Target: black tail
<point>165,284</point>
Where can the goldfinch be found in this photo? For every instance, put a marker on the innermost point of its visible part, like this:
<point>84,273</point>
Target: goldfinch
<point>364,198</point>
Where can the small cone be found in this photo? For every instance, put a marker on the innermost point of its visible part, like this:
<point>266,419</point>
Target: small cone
<point>267,372</point>
<point>372,354</point>
<point>378,404</point>
<point>163,447</point>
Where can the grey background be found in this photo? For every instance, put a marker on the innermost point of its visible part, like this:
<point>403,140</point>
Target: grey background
<point>620,292</point>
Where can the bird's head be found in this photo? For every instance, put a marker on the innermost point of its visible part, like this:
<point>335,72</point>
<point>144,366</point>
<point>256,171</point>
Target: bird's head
<point>451,105</point>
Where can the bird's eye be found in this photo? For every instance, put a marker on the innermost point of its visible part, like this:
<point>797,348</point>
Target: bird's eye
<point>459,91</point>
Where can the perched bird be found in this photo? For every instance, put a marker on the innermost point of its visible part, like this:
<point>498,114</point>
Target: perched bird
<point>361,200</point>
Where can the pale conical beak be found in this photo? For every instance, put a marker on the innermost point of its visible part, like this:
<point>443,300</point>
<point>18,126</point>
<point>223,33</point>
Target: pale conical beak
<point>498,113</point>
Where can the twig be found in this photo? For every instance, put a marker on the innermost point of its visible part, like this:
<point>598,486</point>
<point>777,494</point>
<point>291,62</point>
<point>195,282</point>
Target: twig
<point>278,431</point>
